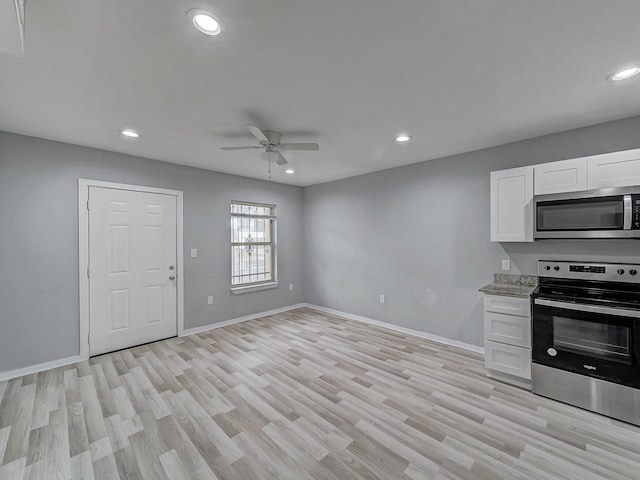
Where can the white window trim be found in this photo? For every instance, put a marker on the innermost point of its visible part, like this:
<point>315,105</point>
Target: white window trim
<point>240,289</point>
<point>254,288</point>
<point>83,251</point>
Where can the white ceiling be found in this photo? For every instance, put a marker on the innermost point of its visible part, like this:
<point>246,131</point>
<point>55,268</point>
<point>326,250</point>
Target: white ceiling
<point>458,75</point>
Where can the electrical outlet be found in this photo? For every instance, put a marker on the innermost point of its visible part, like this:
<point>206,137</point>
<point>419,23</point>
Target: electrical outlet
<point>291,286</point>
<point>210,300</point>
<point>194,252</point>
<point>506,264</point>
<point>381,298</point>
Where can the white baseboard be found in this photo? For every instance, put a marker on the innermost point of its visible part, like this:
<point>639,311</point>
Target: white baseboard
<point>408,331</point>
<point>8,375</point>
<point>396,328</point>
<point>212,326</point>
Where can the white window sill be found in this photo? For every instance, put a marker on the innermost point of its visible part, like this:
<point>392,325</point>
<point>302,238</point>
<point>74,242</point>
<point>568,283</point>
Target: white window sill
<point>254,288</point>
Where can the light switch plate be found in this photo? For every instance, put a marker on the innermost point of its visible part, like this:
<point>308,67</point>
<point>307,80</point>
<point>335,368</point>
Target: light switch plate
<point>194,252</point>
<point>506,264</point>
<point>210,300</point>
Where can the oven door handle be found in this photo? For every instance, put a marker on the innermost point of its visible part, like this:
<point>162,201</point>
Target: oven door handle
<point>581,307</point>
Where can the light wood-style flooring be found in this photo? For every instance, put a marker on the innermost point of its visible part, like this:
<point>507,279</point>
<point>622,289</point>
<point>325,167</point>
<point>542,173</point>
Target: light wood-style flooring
<point>300,395</point>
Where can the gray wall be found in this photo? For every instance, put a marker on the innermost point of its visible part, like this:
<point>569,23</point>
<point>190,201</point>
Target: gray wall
<point>39,242</point>
<point>417,234</point>
<point>420,234</point>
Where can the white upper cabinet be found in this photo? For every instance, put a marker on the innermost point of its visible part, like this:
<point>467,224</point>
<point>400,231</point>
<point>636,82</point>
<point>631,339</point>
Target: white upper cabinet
<point>560,177</point>
<point>512,205</point>
<point>617,169</point>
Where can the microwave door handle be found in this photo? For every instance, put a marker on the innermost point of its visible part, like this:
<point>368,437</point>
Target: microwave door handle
<point>627,212</point>
<point>582,307</point>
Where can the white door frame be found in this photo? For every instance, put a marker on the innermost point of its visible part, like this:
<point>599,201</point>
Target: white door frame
<point>83,251</point>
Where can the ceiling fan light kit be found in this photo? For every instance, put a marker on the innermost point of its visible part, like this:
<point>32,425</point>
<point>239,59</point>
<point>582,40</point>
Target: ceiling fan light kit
<point>270,141</point>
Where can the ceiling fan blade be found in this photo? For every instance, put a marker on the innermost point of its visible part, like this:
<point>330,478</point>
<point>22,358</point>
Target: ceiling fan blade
<point>256,132</point>
<point>280,160</point>
<point>300,146</point>
<point>240,148</point>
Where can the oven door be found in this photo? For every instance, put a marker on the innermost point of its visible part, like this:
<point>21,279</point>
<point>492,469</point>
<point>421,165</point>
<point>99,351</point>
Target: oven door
<point>592,340</point>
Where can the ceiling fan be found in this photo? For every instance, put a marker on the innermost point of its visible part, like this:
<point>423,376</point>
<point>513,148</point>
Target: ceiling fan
<point>270,142</point>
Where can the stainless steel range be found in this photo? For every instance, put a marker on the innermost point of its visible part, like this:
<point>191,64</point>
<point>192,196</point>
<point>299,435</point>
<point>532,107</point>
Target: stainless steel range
<point>586,336</point>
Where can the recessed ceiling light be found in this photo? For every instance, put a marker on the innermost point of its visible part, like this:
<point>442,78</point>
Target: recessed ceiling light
<point>624,74</point>
<point>205,22</point>
<point>403,137</point>
<point>130,133</point>
<point>290,171</point>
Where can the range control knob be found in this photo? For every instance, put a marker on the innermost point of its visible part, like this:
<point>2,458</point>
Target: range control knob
<point>547,267</point>
<point>633,273</point>
<point>620,271</point>
<point>556,268</point>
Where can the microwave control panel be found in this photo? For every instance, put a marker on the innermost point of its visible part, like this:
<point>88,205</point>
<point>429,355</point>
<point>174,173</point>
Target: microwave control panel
<point>636,212</point>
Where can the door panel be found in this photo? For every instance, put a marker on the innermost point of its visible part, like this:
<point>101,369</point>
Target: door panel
<point>119,249</point>
<point>154,304</point>
<point>119,317</point>
<point>153,241</point>
<point>132,245</point>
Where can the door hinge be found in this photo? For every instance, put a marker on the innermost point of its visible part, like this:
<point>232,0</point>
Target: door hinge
<point>87,204</point>
<point>89,272</point>
<point>88,338</point>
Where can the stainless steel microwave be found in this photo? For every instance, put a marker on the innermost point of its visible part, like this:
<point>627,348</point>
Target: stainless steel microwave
<point>606,213</point>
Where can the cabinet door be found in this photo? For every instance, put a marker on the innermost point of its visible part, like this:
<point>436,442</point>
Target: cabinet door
<point>503,358</point>
<point>617,169</point>
<point>561,177</point>
<point>512,205</point>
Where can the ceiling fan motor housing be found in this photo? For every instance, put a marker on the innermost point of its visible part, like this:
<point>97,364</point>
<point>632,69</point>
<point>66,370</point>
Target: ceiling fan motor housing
<point>274,137</point>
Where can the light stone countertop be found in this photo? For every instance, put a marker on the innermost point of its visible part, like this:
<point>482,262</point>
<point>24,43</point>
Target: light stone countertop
<point>511,285</point>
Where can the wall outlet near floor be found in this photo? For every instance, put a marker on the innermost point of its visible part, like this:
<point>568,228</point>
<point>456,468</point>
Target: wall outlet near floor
<point>210,300</point>
<point>381,298</point>
<point>506,264</point>
<point>194,252</point>
<point>291,286</point>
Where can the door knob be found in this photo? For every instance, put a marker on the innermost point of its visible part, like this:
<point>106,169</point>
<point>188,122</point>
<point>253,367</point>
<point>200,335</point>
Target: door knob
<point>171,267</point>
<point>172,277</point>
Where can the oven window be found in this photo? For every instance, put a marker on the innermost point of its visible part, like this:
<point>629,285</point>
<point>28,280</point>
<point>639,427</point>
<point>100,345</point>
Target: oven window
<point>588,214</point>
<point>593,339</point>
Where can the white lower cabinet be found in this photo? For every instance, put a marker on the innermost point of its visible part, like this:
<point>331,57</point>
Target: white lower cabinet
<point>508,329</point>
<point>504,358</point>
<point>513,306</point>
<point>507,333</point>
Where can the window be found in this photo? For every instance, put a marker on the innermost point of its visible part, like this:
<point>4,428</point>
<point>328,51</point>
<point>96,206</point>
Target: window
<point>253,248</point>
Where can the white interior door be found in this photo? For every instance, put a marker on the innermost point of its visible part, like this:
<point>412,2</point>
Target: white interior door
<point>132,262</point>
